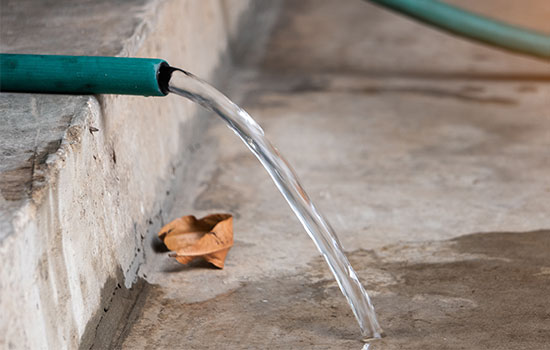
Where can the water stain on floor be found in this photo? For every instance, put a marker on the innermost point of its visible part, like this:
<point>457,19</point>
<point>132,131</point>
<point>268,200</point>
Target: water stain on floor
<point>480,291</point>
<point>497,298</point>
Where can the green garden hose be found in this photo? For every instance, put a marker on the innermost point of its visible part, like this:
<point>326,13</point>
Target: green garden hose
<point>81,74</point>
<point>473,26</point>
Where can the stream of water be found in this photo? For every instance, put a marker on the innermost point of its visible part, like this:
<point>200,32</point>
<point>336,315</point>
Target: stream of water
<point>318,228</point>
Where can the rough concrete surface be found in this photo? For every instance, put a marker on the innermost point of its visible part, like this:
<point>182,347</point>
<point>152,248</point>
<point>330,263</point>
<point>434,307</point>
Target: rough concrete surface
<point>76,205</point>
<point>428,154</point>
<point>480,291</point>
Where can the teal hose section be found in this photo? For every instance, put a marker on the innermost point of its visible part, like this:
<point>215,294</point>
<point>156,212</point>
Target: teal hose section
<point>473,26</point>
<point>80,74</point>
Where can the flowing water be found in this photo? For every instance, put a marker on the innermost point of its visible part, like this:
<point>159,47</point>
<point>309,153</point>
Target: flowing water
<point>320,231</point>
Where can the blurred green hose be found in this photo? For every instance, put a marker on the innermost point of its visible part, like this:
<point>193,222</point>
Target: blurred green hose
<point>470,25</point>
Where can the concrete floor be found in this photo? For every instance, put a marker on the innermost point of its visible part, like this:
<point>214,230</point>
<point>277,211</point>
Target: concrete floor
<point>428,154</point>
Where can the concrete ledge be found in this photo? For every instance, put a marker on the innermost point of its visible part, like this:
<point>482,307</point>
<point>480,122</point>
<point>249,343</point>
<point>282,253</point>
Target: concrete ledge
<point>77,205</point>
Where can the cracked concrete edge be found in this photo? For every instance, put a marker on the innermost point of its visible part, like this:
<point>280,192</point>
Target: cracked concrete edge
<point>69,239</point>
<point>71,143</point>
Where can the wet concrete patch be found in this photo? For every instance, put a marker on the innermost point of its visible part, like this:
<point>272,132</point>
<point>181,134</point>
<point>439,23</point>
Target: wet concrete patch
<point>497,298</point>
<point>486,290</point>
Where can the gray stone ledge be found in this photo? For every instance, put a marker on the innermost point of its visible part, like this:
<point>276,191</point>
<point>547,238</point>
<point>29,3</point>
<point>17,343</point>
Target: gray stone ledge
<point>76,206</point>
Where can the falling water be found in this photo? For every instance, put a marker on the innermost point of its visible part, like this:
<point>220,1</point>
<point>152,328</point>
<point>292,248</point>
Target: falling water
<point>320,231</point>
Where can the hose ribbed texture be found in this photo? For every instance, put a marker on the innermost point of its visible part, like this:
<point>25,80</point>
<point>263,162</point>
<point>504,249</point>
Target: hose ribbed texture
<point>80,74</point>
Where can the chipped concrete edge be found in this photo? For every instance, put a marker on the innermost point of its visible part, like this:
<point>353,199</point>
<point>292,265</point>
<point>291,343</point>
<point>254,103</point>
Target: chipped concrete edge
<point>148,19</point>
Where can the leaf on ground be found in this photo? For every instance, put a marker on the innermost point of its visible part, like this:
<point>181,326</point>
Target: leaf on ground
<point>210,238</point>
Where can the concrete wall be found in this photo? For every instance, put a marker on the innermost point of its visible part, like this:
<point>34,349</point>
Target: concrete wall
<point>73,234</point>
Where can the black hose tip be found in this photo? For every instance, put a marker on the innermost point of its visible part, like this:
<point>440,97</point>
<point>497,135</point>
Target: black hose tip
<point>163,77</point>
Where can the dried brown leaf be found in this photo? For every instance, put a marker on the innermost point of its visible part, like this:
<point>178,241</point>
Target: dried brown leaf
<point>210,238</point>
